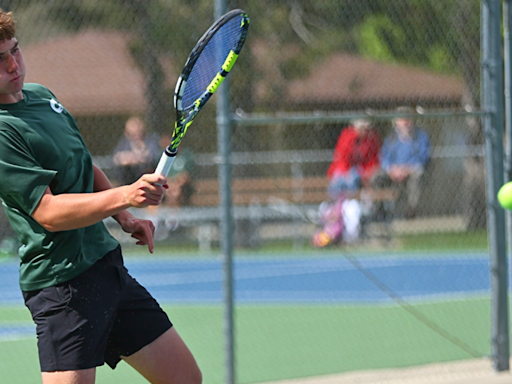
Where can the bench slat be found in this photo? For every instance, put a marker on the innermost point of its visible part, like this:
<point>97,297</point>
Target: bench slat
<point>263,184</point>
<point>252,198</point>
<point>247,191</point>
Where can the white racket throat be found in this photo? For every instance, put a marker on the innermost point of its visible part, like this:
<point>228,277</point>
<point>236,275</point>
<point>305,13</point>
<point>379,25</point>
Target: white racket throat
<point>165,163</point>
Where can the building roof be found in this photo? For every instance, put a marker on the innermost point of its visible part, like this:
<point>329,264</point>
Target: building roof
<point>345,79</point>
<point>91,73</point>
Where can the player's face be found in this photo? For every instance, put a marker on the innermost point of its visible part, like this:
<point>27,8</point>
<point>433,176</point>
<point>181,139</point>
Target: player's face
<point>12,71</point>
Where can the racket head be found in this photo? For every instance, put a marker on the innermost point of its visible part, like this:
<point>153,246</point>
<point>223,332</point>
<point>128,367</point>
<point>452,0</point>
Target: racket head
<point>205,69</point>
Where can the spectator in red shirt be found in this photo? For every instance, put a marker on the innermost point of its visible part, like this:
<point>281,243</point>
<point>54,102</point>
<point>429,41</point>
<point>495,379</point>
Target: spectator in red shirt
<point>355,162</point>
<point>356,158</point>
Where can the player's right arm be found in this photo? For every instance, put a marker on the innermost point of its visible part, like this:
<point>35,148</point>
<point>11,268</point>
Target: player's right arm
<point>69,211</point>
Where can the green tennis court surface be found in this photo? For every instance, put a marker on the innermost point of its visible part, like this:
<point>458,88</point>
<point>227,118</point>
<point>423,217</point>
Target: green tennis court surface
<point>278,342</point>
<point>296,316</point>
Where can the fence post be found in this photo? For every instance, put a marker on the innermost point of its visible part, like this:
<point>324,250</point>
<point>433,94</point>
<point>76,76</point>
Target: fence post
<point>507,19</point>
<point>226,239</point>
<point>493,105</point>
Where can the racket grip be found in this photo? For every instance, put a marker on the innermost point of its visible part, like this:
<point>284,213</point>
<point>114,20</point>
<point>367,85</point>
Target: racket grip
<point>165,163</point>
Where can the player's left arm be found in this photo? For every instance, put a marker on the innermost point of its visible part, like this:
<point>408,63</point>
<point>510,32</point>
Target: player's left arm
<point>140,229</point>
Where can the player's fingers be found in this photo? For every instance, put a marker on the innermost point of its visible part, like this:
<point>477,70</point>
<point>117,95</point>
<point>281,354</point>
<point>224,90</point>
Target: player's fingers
<point>154,193</point>
<point>143,194</point>
<point>143,229</point>
<point>145,234</point>
<point>150,199</point>
<point>151,246</point>
<point>141,237</point>
<point>150,236</point>
<point>144,240</point>
<point>154,179</point>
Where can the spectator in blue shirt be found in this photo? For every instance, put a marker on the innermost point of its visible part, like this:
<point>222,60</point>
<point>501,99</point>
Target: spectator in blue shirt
<point>404,157</point>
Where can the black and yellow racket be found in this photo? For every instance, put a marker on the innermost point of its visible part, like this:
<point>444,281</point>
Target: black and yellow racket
<point>206,68</point>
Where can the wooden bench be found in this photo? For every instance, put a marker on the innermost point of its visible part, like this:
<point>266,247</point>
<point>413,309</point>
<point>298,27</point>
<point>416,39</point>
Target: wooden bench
<point>250,191</point>
<point>256,201</point>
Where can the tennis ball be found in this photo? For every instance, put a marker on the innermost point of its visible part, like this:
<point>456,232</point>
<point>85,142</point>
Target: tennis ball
<point>505,196</point>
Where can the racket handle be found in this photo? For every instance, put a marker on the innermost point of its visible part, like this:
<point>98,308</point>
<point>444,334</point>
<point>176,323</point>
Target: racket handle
<point>165,163</point>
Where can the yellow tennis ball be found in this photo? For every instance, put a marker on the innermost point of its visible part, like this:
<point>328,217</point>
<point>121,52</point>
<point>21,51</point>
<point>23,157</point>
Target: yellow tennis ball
<point>505,196</point>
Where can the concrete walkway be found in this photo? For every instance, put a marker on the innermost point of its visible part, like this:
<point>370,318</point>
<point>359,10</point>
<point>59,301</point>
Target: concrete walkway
<point>462,372</point>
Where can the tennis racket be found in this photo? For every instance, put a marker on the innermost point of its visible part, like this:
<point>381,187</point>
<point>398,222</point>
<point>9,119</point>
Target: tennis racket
<point>206,68</point>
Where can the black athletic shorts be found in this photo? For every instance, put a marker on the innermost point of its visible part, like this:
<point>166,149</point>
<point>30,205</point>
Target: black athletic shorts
<point>94,318</point>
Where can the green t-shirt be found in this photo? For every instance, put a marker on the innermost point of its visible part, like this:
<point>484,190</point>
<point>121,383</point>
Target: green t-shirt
<point>40,147</point>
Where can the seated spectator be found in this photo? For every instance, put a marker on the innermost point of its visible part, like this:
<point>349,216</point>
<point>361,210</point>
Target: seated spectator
<point>136,153</point>
<point>355,162</point>
<point>404,157</point>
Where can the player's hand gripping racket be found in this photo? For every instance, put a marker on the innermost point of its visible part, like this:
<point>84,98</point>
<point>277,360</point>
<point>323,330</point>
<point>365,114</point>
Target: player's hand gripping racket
<point>206,68</point>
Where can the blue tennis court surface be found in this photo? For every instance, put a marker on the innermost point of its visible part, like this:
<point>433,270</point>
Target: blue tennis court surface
<point>303,280</point>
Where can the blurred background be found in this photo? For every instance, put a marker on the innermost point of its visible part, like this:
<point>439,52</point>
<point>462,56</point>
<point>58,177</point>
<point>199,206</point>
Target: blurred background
<point>328,277</point>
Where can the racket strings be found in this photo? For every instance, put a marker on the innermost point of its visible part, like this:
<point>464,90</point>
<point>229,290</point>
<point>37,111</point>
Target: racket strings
<point>211,60</point>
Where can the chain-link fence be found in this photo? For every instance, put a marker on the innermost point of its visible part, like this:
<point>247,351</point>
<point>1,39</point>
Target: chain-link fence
<point>358,180</point>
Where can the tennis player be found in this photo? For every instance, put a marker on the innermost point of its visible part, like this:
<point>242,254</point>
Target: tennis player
<point>88,310</point>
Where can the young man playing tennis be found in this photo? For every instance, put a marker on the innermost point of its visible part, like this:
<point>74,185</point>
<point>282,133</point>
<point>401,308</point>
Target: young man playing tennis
<point>87,308</point>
